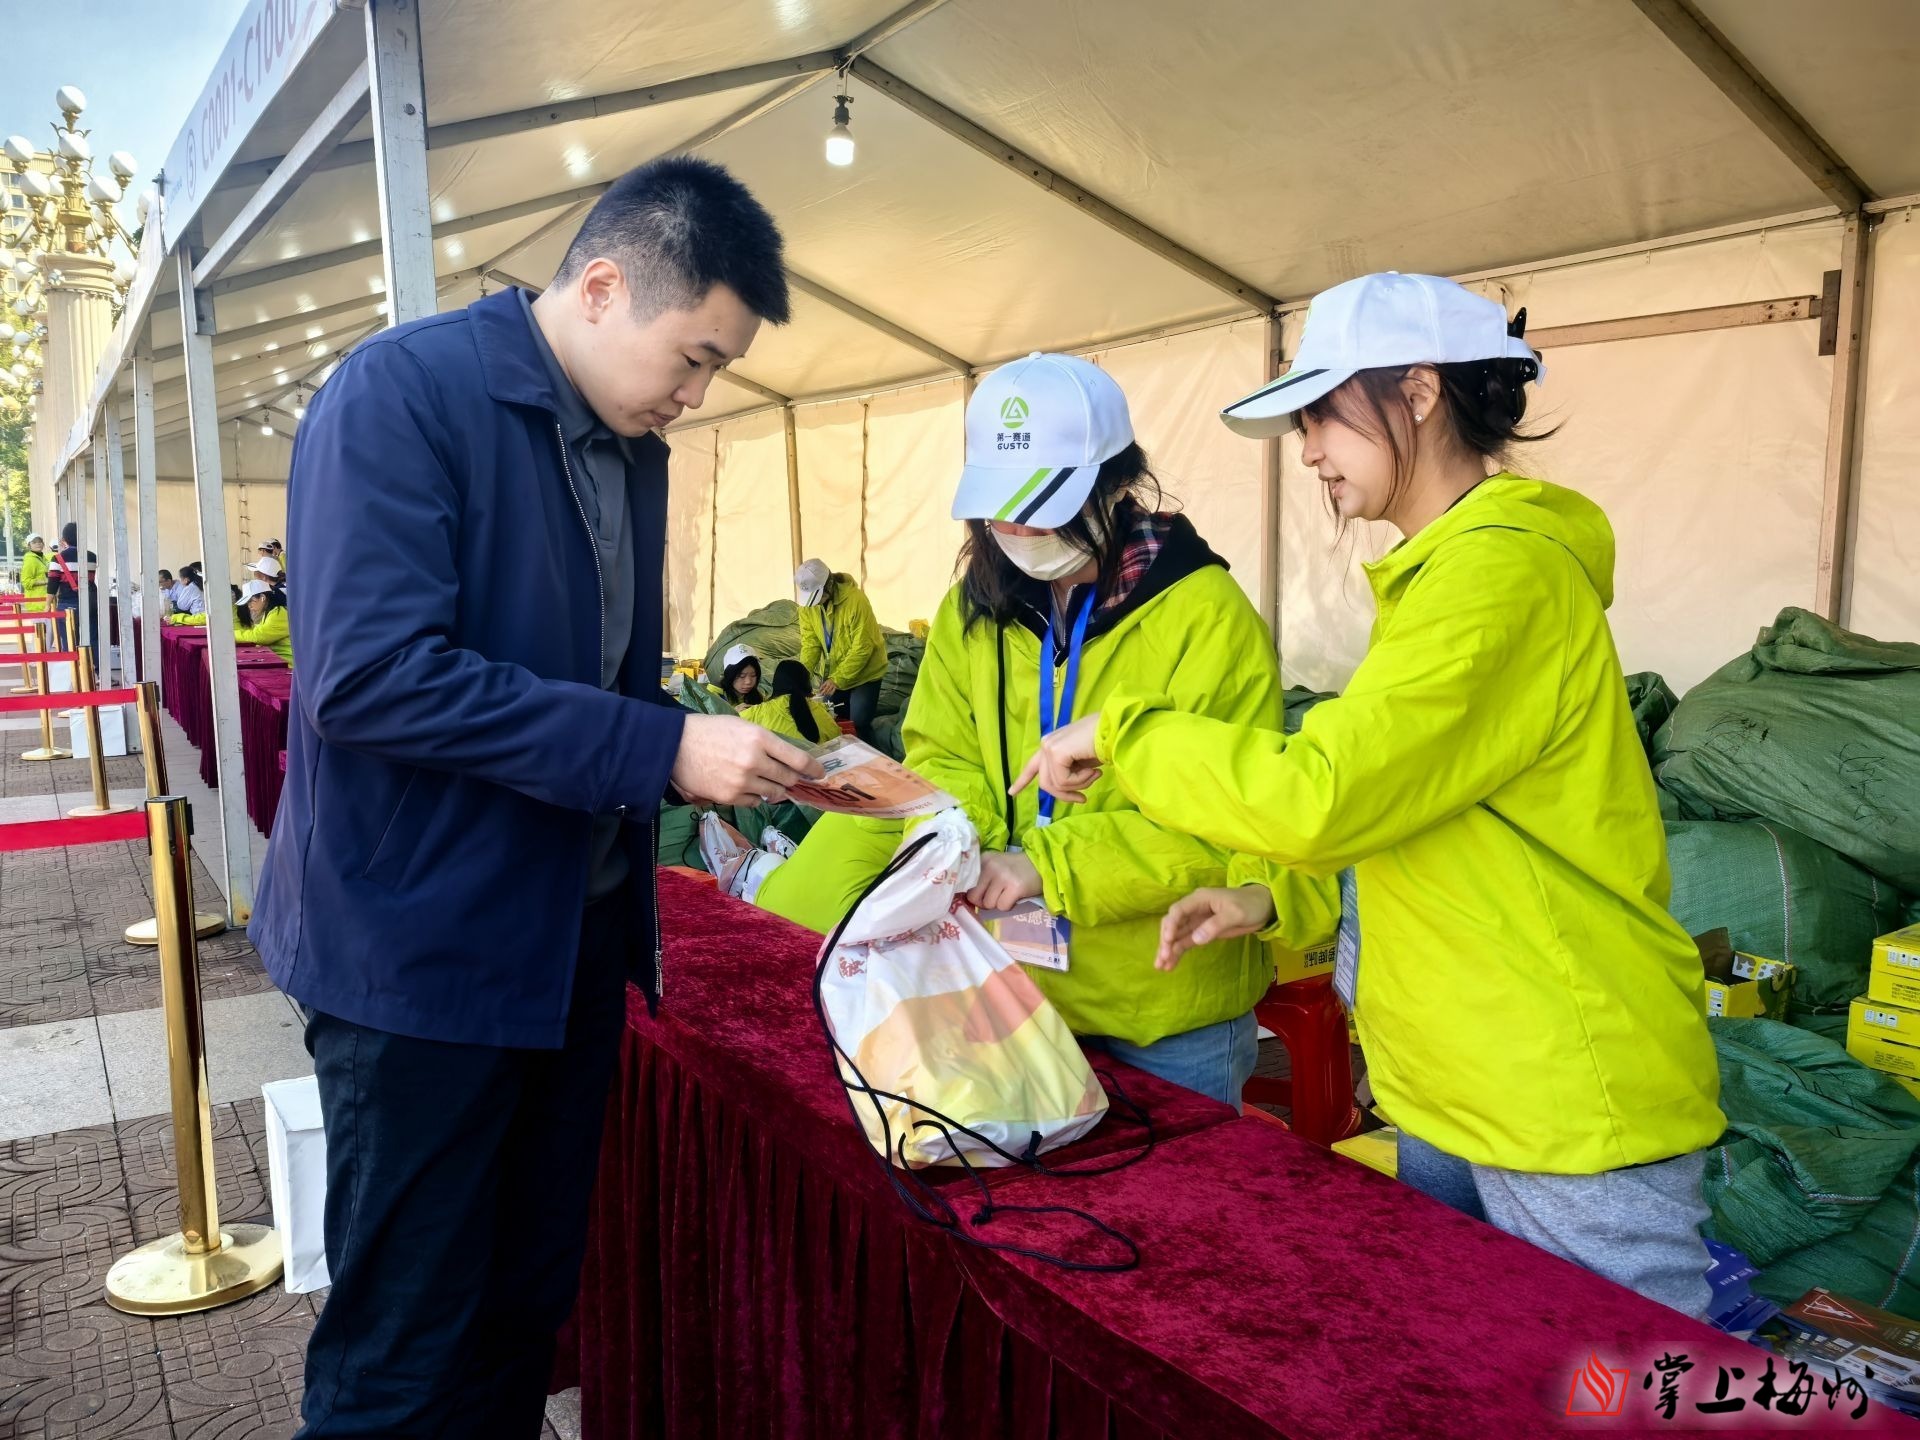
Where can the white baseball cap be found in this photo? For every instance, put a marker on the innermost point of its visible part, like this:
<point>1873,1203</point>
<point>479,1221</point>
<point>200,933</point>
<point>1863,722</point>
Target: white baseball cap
<point>810,581</point>
<point>1038,430</point>
<point>1375,322</point>
<point>269,567</point>
<point>253,588</point>
<point>736,655</point>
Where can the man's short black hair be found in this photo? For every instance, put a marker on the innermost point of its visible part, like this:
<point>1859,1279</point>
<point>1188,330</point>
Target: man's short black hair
<point>678,227</point>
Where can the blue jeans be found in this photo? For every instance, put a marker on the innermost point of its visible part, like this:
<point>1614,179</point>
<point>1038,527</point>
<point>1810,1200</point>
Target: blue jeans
<point>1215,1060</point>
<point>1447,1178</point>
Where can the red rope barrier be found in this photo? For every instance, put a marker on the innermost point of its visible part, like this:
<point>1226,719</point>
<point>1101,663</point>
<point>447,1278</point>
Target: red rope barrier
<point>68,700</point>
<point>53,657</point>
<point>87,830</point>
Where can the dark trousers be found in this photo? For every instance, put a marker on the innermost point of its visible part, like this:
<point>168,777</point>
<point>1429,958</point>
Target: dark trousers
<point>458,1178</point>
<point>863,703</point>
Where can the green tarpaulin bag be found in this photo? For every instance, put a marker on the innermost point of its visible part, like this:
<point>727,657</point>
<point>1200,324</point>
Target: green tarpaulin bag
<point>903,668</point>
<point>1816,728</point>
<point>772,632</point>
<point>1652,701</point>
<point>1784,897</point>
<point>1815,1178</point>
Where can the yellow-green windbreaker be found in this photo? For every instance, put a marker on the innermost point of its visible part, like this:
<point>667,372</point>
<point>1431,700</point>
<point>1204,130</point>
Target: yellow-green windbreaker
<point>859,650</point>
<point>776,715</point>
<point>273,631</point>
<point>33,580</point>
<point>1524,999</point>
<point>1107,868</point>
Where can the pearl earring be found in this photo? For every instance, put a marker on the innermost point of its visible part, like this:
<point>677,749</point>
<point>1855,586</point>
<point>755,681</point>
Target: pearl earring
<point>1418,417</point>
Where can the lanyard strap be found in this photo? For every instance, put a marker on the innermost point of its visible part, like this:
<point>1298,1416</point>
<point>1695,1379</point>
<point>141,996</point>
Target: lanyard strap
<point>1049,722</point>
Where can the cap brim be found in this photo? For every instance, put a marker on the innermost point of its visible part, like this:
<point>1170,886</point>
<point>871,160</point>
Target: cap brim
<point>1045,497</point>
<point>812,597</point>
<point>1267,411</point>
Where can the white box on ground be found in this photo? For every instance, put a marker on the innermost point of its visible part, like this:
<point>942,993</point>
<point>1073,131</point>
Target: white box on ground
<point>118,733</point>
<point>60,677</point>
<point>297,1180</point>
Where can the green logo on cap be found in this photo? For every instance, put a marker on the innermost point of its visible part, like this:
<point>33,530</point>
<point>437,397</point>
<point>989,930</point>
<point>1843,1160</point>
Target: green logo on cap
<point>1014,410</point>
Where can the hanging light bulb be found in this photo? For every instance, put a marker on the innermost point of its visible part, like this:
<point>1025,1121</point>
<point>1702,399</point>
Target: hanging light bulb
<point>266,426</point>
<point>299,405</point>
<point>840,139</point>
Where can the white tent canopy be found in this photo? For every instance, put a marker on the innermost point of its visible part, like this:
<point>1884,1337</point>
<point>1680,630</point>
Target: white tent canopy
<point>1155,184</point>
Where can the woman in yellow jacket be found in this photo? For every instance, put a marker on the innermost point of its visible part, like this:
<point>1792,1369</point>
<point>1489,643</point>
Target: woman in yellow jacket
<point>1532,1017</point>
<point>262,620</point>
<point>33,573</point>
<point>793,713</point>
<point>1076,588</point>
<point>841,642</point>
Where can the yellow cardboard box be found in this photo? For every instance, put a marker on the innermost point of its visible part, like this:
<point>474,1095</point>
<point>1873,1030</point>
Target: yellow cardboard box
<point>1887,1055</point>
<point>1895,973</point>
<point>1877,1020</point>
<point>1762,989</point>
<point>1291,965</point>
<point>1376,1149</point>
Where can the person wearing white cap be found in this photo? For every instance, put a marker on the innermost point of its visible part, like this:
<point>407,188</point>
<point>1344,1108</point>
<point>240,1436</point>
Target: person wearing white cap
<point>268,569</point>
<point>275,551</point>
<point>1530,1012</point>
<point>739,677</point>
<point>261,619</point>
<point>841,642</point>
<point>33,573</point>
<point>1078,587</point>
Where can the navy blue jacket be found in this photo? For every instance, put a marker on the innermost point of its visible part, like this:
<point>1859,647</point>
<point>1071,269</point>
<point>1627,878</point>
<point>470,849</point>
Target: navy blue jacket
<point>449,742</point>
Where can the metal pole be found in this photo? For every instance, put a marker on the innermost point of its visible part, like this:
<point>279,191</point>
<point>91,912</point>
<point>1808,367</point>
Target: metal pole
<point>400,157</point>
<point>10,537</point>
<point>147,477</point>
<point>1270,472</point>
<point>793,486</point>
<point>123,566</point>
<point>96,762</point>
<point>48,750</point>
<point>100,638</point>
<point>83,604</point>
<point>1839,479</point>
<point>204,1264</point>
<point>205,922</point>
<point>196,325</point>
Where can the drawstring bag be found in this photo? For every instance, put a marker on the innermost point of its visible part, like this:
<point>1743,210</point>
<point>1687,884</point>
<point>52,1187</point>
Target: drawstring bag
<point>948,1050</point>
<point>740,868</point>
<point>929,1005</point>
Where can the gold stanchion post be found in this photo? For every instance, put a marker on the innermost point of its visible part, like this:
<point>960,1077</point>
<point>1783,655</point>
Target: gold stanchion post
<point>27,618</point>
<point>96,762</point>
<point>48,750</point>
<point>205,1264</point>
<point>205,922</point>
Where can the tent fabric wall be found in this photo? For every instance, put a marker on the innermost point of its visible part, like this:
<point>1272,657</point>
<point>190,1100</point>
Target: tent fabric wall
<point>914,445</point>
<point>752,542</point>
<point>262,507</point>
<point>690,486</point>
<point>1705,449</point>
<point>1175,389</point>
<point>1886,562</point>
<point>831,440</point>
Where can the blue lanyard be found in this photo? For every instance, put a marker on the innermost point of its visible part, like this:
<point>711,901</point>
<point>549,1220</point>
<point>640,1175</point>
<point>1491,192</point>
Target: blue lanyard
<point>1048,721</point>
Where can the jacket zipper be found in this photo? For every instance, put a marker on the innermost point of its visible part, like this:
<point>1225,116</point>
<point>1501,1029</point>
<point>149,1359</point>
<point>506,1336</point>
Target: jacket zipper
<point>600,596</point>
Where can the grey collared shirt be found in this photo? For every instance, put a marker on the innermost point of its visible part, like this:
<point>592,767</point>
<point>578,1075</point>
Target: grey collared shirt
<point>600,474</point>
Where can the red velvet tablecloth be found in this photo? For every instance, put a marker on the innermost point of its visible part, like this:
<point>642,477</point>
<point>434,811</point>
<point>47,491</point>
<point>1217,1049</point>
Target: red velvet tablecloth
<point>750,1272</point>
<point>187,692</point>
<point>266,696</point>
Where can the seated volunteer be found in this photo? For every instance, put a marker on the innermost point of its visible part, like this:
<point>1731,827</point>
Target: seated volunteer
<point>460,881</point>
<point>739,678</point>
<point>841,642</point>
<point>1531,1015</point>
<point>793,712</point>
<point>188,599</point>
<point>261,619</point>
<point>1075,588</point>
<point>268,569</point>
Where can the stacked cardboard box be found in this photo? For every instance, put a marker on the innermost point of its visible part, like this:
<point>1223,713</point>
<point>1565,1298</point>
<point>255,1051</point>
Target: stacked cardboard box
<point>1883,1026</point>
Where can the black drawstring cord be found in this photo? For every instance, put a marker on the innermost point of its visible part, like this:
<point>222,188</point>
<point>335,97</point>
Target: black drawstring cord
<point>947,1217</point>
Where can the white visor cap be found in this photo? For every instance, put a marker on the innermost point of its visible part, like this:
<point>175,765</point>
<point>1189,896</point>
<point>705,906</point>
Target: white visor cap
<point>1377,322</point>
<point>1038,431</point>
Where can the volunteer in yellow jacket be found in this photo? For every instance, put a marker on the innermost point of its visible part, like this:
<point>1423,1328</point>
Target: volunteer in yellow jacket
<point>33,573</point>
<point>793,712</point>
<point>1531,1015</point>
<point>840,641</point>
<point>1076,588</point>
<point>261,619</point>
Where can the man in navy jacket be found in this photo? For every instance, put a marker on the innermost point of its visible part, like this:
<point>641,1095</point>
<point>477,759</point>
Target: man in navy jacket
<point>461,875</point>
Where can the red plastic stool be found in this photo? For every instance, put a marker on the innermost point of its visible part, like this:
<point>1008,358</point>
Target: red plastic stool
<point>1307,1017</point>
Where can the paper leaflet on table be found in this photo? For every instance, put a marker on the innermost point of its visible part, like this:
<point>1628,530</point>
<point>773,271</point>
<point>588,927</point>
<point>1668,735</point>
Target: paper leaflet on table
<point>862,781</point>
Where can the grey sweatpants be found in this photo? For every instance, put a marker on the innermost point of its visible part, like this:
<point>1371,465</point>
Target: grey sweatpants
<point>1638,1226</point>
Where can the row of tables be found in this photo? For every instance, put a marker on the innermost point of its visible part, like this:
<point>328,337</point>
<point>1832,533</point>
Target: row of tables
<point>266,696</point>
<point>750,1272</point>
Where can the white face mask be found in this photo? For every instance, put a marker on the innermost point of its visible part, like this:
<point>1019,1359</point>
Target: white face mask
<point>1044,557</point>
